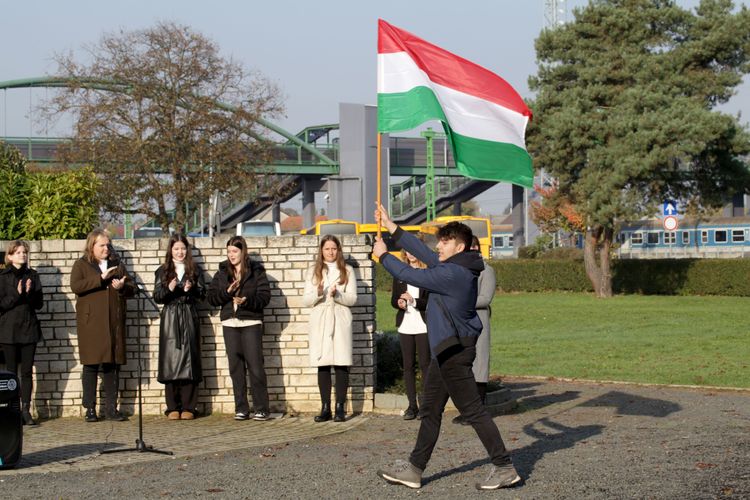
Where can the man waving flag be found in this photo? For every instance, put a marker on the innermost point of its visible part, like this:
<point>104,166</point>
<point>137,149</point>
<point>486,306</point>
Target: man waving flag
<point>484,117</point>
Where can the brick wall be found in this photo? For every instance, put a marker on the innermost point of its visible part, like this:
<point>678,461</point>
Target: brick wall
<point>292,383</point>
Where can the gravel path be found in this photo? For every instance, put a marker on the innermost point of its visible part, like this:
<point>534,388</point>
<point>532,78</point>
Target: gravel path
<point>569,440</point>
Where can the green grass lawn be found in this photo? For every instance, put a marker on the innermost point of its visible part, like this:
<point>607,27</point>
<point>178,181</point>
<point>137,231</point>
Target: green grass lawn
<point>652,339</point>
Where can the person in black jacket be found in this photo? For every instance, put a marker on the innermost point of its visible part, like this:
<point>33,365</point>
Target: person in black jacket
<point>179,285</point>
<point>241,288</point>
<point>20,297</point>
<point>411,303</point>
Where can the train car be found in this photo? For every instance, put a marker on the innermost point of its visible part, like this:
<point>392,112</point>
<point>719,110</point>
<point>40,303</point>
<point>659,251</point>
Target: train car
<point>719,237</point>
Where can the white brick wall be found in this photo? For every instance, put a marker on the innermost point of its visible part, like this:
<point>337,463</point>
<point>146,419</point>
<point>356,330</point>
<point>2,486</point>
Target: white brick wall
<point>292,383</point>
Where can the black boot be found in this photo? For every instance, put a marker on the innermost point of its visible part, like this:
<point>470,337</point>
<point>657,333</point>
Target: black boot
<point>26,415</point>
<point>339,415</point>
<point>325,413</point>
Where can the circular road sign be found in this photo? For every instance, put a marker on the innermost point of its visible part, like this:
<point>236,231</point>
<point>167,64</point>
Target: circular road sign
<point>670,223</point>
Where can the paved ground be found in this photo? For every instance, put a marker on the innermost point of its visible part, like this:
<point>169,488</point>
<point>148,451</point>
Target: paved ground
<point>569,440</point>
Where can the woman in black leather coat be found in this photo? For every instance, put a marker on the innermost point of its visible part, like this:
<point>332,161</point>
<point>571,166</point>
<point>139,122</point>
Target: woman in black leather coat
<point>179,285</point>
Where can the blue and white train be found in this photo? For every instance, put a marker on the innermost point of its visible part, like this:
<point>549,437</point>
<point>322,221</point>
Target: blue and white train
<point>720,237</point>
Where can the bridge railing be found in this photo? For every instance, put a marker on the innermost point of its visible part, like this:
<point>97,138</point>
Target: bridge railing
<point>411,193</point>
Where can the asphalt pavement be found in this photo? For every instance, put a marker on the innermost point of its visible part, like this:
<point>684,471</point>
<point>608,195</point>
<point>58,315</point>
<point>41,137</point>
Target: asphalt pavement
<point>568,440</point>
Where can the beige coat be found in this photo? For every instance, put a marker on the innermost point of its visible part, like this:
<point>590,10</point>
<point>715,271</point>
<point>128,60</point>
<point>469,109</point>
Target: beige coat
<point>100,313</point>
<point>330,318</point>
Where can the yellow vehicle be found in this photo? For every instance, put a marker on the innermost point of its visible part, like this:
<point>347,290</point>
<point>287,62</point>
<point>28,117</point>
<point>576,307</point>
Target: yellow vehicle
<point>393,248</point>
<point>480,226</point>
<point>333,226</point>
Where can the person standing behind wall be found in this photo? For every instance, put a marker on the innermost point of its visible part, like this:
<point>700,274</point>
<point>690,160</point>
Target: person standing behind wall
<point>240,287</point>
<point>330,289</point>
<point>20,298</point>
<point>102,285</point>
<point>179,285</point>
<point>411,303</point>
<point>486,285</point>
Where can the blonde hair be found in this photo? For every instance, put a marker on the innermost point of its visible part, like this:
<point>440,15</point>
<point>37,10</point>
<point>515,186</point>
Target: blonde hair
<point>88,252</point>
<point>12,247</point>
<point>405,260</point>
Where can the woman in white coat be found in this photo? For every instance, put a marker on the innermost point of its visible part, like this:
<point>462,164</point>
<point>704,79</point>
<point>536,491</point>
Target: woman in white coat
<point>331,289</point>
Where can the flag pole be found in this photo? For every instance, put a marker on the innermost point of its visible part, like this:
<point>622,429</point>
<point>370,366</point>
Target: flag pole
<point>379,183</point>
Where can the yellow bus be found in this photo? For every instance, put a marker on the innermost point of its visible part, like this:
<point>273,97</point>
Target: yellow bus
<point>392,246</point>
<point>480,226</point>
<point>333,226</point>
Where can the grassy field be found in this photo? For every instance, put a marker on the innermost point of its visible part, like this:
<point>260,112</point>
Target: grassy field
<point>652,339</point>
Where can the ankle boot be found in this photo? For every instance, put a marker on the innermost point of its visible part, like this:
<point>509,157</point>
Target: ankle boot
<point>339,415</point>
<point>325,413</point>
<point>26,415</point>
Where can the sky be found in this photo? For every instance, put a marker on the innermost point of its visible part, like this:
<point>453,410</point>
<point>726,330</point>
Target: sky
<point>319,53</point>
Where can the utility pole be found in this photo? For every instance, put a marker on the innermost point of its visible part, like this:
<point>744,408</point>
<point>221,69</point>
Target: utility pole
<point>555,13</point>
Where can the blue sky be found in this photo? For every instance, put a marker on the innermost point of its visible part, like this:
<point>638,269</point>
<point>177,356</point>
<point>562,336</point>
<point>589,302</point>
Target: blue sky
<point>319,53</point>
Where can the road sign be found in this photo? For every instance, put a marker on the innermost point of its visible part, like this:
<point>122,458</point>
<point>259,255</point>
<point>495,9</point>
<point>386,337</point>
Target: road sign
<point>670,223</point>
<point>669,207</point>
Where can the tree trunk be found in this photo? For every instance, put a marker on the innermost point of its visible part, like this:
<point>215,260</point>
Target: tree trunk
<point>596,259</point>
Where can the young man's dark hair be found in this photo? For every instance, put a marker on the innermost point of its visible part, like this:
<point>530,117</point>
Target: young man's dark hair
<point>456,231</point>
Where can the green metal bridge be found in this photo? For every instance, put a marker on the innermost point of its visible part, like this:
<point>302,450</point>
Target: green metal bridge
<point>312,153</point>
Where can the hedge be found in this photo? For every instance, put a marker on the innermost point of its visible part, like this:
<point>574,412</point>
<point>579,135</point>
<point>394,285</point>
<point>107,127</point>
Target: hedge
<point>644,276</point>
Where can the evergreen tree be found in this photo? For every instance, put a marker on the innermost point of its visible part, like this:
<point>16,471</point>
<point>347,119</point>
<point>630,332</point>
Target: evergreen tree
<point>625,113</point>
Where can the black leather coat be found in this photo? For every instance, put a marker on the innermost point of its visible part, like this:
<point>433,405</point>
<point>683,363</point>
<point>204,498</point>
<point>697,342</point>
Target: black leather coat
<point>18,321</point>
<point>179,330</point>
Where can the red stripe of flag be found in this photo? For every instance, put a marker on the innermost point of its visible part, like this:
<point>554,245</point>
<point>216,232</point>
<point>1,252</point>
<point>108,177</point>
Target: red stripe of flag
<point>450,70</point>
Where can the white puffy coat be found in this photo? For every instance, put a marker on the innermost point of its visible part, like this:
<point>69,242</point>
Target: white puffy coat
<point>330,331</point>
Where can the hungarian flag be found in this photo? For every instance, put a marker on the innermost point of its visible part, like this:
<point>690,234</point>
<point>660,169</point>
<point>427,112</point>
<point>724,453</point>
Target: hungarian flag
<point>484,117</point>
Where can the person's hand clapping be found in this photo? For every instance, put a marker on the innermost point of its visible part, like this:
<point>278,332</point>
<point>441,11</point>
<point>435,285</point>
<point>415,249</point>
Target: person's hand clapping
<point>233,286</point>
<point>332,290</point>
<point>118,283</point>
<point>172,284</point>
<point>401,304</point>
<point>28,285</point>
<point>188,285</point>
<point>20,287</point>
<point>239,300</point>
<point>109,272</point>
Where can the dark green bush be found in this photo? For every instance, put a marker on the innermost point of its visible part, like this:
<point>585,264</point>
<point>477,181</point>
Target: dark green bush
<point>388,359</point>
<point>540,275</point>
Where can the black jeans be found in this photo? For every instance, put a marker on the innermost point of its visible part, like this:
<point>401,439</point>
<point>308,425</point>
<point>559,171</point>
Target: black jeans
<point>110,383</point>
<point>451,375</point>
<point>411,345</point>
<point>22,354</point>
<point>245,353</point>
<point>181,395</point>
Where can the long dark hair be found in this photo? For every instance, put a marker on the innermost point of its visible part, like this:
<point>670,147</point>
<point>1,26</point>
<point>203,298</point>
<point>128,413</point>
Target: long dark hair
<point>320,262</point>
<point>238,242</point>
<point>169,270</point>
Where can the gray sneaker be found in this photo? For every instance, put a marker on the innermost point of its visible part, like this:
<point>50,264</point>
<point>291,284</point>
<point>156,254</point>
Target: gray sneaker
<point>402,472</point>
<point>504,476</point>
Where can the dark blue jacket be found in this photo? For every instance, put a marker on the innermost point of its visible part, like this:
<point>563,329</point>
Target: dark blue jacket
<point>454,282</point>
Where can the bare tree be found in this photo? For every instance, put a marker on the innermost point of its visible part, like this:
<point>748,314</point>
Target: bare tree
<point>166,121</point>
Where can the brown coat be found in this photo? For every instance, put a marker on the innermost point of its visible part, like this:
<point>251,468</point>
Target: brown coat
<point>100,313</point>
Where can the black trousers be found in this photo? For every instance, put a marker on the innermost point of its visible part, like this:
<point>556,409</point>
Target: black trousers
<point>324,383</point>
<point>411,346</point>
<point>181,395</point>
<point>22,354</point>
<point>245,353</point>
<point>451,375</point>
<point>110,383</point>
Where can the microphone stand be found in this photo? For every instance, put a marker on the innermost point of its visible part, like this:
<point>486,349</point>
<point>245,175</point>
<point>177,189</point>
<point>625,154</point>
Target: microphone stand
<point>140,445</point>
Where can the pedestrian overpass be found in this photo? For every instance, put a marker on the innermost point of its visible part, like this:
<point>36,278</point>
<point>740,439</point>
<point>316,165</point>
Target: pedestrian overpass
<point>339,159</point>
